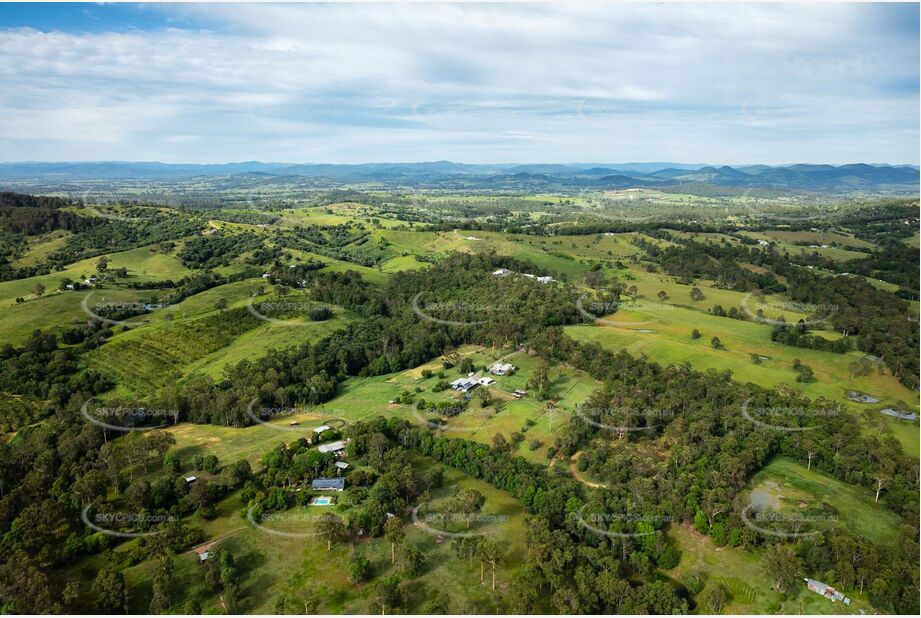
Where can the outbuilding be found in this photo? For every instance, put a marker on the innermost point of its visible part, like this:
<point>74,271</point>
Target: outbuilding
<point>337,448</point>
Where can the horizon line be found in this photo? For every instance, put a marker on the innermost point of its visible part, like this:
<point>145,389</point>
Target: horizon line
<point>157,162</point>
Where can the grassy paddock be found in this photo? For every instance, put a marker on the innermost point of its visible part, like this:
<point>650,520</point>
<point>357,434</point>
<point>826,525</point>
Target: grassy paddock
<point>793,488</point>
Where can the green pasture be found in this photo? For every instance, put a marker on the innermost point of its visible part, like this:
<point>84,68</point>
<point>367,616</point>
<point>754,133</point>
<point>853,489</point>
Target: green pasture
<point>838,254</point>
<point>143,264</point>
<point>671,343</point>
<point>56,310</point>
<point>40,247</point>
<point>792,489</point>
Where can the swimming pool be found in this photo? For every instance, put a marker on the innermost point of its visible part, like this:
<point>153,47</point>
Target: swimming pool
<point>321,501</point>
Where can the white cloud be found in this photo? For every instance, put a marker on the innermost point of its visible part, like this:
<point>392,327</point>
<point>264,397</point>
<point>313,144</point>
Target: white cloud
<point>724,83</point>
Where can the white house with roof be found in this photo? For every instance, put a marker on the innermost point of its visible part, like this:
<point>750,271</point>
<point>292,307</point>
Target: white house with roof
<point>500,369</point>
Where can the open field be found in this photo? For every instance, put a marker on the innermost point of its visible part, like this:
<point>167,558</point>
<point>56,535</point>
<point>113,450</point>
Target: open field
<point>143,264</point>
<point>344,213</point>
<point>371,275</point>
<point>40,247</point>
<point>790,488</point>
<point>839,254</point>
<point>679,295</point>
<point>670,342</point>
<point>568,256</point>
<point>54,310</point>
<point>821,238</point>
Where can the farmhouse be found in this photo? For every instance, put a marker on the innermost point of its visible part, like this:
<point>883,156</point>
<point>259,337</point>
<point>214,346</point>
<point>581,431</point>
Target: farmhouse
<point>328,484</point>
<point>486,381</point>
<point>500,369</point>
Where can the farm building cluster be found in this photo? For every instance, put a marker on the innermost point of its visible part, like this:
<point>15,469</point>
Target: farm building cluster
<point>473,380</point>
<point>469,383</point>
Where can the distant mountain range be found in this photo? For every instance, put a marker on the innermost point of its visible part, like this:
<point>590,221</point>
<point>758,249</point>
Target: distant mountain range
<point>447,174</point>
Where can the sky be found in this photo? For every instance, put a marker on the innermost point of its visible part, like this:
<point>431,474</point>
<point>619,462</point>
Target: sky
<point>476,83</point>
